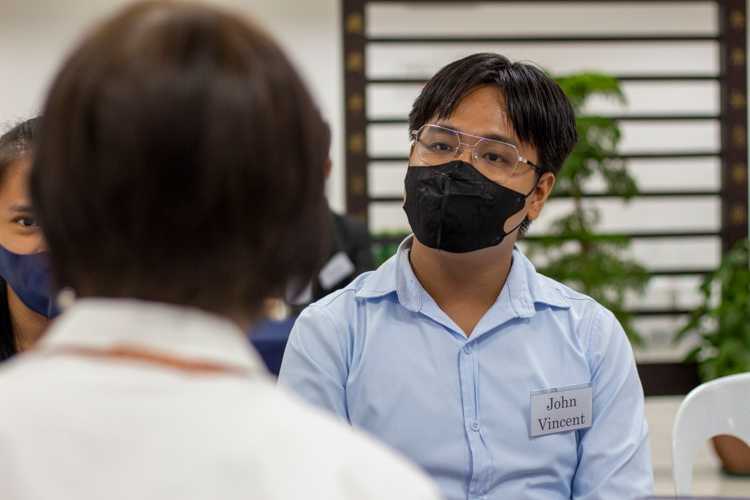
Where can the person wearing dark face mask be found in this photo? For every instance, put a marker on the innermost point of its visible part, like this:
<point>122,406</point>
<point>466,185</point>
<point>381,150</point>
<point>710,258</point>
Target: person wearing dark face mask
<point>498,381</point>
<point>25,273</point>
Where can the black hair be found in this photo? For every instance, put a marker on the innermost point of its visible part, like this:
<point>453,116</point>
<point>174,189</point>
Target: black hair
<point>326,135</point>
<point>182,161</point>
<point>15,145</point>
<point>539,110</point>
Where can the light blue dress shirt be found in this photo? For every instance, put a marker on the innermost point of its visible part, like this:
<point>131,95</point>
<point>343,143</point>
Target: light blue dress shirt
<point>383,356</point>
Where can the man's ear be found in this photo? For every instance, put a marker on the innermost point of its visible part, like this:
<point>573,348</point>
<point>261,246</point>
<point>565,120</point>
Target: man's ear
<point>540,194</point>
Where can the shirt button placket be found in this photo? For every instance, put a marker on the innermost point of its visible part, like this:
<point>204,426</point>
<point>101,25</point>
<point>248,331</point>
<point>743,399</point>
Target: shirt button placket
<point>468,393</point>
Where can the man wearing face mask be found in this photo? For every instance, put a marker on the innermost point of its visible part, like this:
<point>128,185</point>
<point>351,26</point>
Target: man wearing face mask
<point>499,382</point>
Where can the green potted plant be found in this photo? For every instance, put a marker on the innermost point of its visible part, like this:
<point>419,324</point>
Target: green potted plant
<point>575,252</point>
<point>722,321</point>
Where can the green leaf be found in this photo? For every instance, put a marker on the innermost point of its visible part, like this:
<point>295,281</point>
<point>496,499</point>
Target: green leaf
<point>726,302</point>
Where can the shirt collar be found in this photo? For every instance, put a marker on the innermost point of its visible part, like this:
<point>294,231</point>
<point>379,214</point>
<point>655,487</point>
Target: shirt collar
<point>524,286</point>
<point>527,288</point>
<point>178,331</point>
<point>395,275</point>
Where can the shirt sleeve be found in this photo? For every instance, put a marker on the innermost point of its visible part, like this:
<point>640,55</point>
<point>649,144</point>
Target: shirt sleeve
<point>314,365</point>
<point>614,455</point>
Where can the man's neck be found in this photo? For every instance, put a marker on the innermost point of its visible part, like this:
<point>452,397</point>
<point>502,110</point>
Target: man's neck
<point>463,285</point>
<point>27,324</point>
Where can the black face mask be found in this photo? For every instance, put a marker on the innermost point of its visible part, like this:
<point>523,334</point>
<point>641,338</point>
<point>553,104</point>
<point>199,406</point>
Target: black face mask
<point>455,208</point>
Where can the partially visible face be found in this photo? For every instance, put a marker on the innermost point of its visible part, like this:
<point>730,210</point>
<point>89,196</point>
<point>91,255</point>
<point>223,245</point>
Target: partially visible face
<point>19,232</point>
<point>482,112</point>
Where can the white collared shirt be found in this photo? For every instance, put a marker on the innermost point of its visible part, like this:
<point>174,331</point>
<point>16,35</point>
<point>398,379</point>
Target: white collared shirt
<point>85,427</point>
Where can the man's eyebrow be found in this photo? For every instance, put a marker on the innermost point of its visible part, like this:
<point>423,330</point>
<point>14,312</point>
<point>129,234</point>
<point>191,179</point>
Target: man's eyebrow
<point>501,138</point>
<point>491,135</point>
<point>21,208</point>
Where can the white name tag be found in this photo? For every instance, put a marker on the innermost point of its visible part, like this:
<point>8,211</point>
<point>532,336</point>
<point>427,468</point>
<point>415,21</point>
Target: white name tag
<point>561,409</point>
<point>338,268</point>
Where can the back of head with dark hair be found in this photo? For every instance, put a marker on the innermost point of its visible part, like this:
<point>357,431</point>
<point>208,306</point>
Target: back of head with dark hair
<point>182,161</point>
<point>15,145</point>
<point>327,135</point>
<point>538,109</point>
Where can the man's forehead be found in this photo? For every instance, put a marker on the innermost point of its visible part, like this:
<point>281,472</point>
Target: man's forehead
<point>482,112</point>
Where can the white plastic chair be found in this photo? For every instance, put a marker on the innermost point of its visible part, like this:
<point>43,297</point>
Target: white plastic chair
<point>721,406</point>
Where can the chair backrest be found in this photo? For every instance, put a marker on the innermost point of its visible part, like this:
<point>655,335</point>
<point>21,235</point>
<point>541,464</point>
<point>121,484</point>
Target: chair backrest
<point>721,406</point>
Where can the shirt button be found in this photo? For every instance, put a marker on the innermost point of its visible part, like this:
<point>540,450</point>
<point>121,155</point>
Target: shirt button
<point>475,426</point>
<point>467,349</point>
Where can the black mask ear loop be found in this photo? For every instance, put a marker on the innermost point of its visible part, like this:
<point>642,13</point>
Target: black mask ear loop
<point>538,178</point>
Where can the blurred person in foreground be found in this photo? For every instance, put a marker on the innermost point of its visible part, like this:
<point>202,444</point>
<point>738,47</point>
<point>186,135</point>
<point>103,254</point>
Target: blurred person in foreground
<point>498,381</point>
<point>180,176</point>
<point>26,304</point>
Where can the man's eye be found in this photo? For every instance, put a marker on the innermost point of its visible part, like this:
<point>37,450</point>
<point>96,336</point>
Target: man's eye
<point>441,146</point>
<point>495,158</point>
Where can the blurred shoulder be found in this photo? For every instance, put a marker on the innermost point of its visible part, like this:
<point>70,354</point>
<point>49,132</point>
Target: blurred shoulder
<point>368,468</point>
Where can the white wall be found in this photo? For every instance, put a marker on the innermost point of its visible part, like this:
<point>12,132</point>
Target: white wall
<point>35,36</point>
